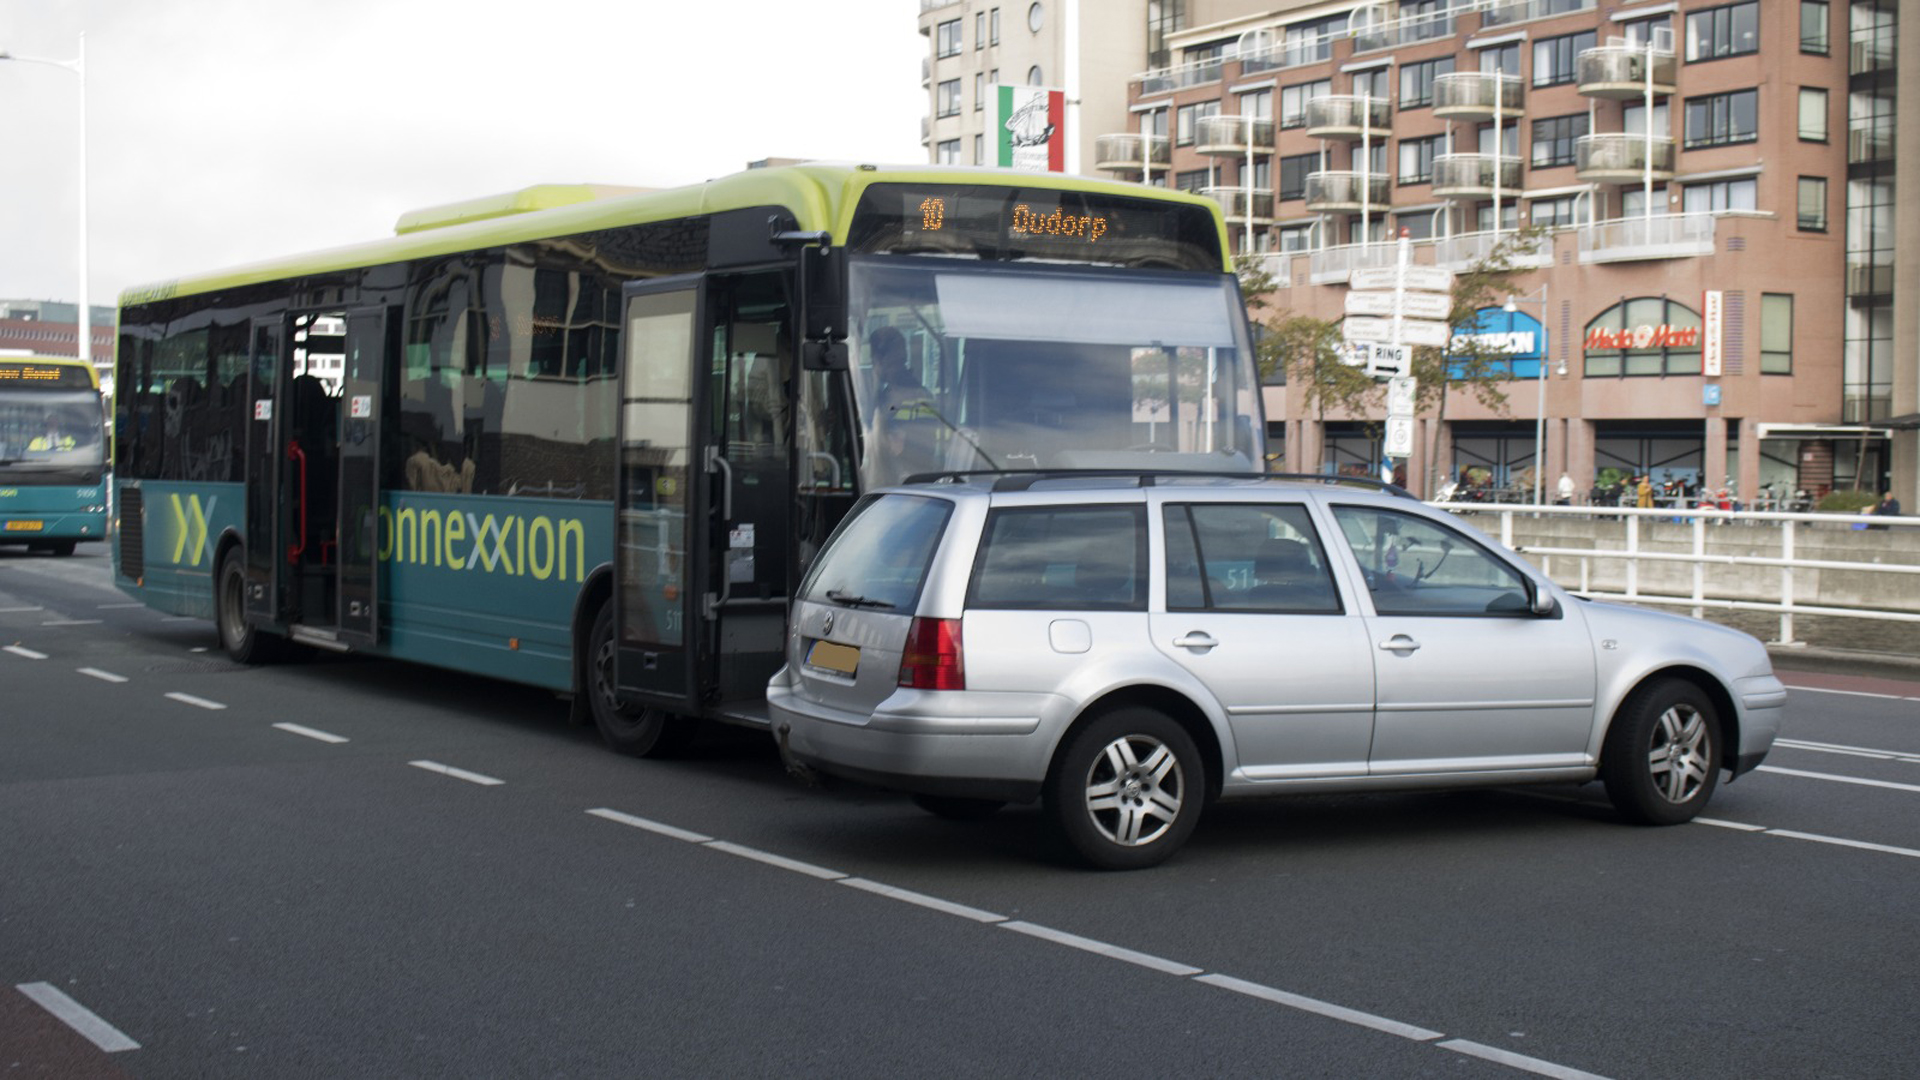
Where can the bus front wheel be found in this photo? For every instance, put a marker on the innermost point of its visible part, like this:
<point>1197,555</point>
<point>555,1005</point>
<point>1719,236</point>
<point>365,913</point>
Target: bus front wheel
<point>630,729</point>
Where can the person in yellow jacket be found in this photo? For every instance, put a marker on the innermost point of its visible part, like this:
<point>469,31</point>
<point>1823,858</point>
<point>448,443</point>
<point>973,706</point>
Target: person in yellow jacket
<point>53,439</point>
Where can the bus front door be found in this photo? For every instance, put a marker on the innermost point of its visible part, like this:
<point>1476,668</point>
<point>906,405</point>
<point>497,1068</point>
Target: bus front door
<point>264,601</point>
<point>661,555</point>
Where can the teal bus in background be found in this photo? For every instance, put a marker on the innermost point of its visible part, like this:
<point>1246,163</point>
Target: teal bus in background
<point>53,454</point>
<point>588,438</point>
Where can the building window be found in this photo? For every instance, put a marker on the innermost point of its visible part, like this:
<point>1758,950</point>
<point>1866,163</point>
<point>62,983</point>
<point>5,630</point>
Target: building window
<point>1036,18</point>
<point>1733,30</point>
<point>1293,174</point>
<point>1647,335</point>
<point>1418,225</point>
<point>1721,119</point>
<point>947,98</point>
<point>979,30</point>
<point>979,149</point>
<point>1187,120</point>
<point>979,90</point>
<point>1554,138</point>
<point>1556,213</point>
<point>1553,58</point>
<point>1720,195</point>
<point>1416,158</point>
<point>1633,120</point>
<point>1195,180</point>
<point>1776,333</point>
<point>993,27</point>
<point>1813,114</point>
<point>1416,81</point>
<point>1509,140</point>
<point>1504,59</point>
<point>1293,101</point>
<point>1312,40</point>
<point>1376,84</point>
<point>1035,77</point>
<point>1258,104</point>
<point>947,39</point>
<point>1509,216</point>
<point>1813,27</point>
<point>1813,204</point>
<point>1295,237</point>
<point>947,152</point>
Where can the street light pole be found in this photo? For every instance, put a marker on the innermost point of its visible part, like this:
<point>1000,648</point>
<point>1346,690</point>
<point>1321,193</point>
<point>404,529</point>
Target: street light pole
<point>78,65</point>
<point>1540,386</point>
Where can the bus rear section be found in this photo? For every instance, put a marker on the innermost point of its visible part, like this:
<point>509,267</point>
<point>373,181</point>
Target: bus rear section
<point>52,454</point>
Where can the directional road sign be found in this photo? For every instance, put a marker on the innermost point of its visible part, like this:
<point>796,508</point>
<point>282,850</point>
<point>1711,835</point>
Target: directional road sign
<point>1424,278</point>
<point>1411,331</point>
<point>1390,361</point>
<point>1413,305</point>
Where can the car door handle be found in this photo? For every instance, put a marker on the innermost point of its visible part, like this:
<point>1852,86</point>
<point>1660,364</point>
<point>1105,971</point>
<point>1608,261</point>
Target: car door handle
<point>1195,640</point>
<point>1399,643</point>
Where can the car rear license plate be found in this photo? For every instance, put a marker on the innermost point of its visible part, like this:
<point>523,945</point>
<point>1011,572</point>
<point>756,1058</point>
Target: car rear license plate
<point>25,526</point>
<point>840,659</point>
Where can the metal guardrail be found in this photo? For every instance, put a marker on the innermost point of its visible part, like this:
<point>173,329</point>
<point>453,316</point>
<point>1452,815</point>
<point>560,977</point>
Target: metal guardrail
<point>1701,521</point>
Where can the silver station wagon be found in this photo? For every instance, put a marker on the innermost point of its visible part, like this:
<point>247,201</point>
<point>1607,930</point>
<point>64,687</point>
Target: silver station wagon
<point>1129,648</point>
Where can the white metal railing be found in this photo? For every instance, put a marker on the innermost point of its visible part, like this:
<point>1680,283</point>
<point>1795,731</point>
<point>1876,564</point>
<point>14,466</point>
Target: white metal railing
<point>1780,599</point>
<point>1460,250</point>
<point>1658,236</point>
<point>1338,263</point>
<point>1507,12</point>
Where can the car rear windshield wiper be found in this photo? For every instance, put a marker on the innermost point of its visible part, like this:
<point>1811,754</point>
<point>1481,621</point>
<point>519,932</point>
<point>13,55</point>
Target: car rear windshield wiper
<point>850,600</point>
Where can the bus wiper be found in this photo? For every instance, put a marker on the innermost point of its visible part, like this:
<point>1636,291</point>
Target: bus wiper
<point>934,410</point>
<point>850,600</point>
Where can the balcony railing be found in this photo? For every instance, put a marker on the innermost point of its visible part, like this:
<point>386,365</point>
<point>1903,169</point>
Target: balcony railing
<point>1129,152</point>
<point>1336,264</point>
<point>1473,175</point>
<point>1621,159</point>
<point>1866,278</point>
<point>1167,80</point>
<point>1348,116</point>
<point>1506,12</point>
<point>1619,72</point>
<point>1870,141</point>
<point>1464,249</point>
<point>1409,30</point>
<point>1235,201</point>
<point>1471,95</point>
<point>1329,192</point>
<point>1869,51</point>
<point>1234,135</point>
<point>1661,236</point>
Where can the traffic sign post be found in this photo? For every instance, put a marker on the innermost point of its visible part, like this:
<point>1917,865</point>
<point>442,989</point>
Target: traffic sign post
<point>1390,310</point>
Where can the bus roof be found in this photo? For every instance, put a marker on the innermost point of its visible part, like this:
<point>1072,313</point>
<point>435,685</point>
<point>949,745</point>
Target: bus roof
<point>821,197</point>
<point>25,370</point>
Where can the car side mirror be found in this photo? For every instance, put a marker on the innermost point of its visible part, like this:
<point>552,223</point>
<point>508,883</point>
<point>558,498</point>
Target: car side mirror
<point>1540,601</point>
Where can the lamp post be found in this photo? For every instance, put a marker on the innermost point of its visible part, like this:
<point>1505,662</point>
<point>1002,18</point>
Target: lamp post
<point>1540,383</point>
<point>78,65</point>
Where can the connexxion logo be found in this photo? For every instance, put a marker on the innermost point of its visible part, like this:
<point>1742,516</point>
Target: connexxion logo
<point>190,527</point>
<point>539,547</point>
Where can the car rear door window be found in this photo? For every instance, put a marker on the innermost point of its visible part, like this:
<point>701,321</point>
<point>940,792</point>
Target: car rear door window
<point>1062,557</point>
<point>880,556</point>
<point>1415,566</point>
<point>1247,557</point>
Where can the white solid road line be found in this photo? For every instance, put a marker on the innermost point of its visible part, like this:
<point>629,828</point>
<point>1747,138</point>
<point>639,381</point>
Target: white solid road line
<point>17,610</point>
<point>19,650</point>
<point>457,774</point>
<point>312,733</point>
<point>103,676</point>
<point>1840,842</point>
<point>73,622</point>
<point>1114,952</point>
<point>1850,751</point>
<point>1862,781</point>
<point>78,1017</point>
<point>189,699</point>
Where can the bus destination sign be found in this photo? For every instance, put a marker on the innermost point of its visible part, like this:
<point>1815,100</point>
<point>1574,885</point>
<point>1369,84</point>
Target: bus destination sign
<point>20,374</point>
<point>995,222</point>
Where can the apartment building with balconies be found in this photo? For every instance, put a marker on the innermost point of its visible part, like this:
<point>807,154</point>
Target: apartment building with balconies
<point>1713,297</point>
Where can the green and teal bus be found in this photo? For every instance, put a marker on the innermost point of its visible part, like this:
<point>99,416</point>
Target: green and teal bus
<point>589,438</point>
<point>53,454</point>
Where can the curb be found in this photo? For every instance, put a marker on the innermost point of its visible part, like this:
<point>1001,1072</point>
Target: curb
<point>1813,658</point>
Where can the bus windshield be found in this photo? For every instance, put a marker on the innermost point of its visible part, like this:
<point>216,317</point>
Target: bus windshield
<point>970,367</point>
<point>45,435</point>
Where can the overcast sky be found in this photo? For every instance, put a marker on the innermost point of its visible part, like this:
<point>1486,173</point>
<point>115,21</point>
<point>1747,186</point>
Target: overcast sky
<point>221,132</point>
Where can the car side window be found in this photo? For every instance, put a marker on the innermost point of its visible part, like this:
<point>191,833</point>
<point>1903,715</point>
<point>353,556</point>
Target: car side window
<point>1246,557</point>
<point>1415,566</point>
<point>1072,557</point>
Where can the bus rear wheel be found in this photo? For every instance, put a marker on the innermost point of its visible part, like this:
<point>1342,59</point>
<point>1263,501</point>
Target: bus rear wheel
<point>244,642</point>
<point>630,729</point>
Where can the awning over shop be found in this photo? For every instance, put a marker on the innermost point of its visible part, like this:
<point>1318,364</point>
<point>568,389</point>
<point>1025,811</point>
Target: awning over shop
<point>1882,430</point>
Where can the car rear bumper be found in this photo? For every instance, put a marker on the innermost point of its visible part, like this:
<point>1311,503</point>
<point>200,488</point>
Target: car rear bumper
<point>954,751</point>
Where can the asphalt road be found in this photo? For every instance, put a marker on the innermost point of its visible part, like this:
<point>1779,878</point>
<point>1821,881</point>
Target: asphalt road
<point>360,868</point>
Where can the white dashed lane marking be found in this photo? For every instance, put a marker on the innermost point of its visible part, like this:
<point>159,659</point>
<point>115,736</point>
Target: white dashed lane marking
<point>457,774</point>
<point>199,702</point>
<point>23,651</point>
<point>312,733</point>
<point>78,1017</point>
<point>103,676</point>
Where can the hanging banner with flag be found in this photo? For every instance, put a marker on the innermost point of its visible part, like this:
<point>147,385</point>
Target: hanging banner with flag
<point>1031,127</point>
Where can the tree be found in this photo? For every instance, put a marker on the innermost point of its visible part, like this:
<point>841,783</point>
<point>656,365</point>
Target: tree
<point>1311,351</point>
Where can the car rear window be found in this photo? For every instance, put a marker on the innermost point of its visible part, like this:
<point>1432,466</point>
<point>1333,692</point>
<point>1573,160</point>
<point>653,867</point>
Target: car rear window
<point>1075,557</point>
<point>879,556</point>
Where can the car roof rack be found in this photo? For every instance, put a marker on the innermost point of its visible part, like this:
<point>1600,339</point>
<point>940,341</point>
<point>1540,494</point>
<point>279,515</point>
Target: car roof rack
<point>1025,479</point>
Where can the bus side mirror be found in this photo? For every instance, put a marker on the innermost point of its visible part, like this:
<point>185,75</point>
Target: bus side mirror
<point>825,271</point>
<point>824,356</point>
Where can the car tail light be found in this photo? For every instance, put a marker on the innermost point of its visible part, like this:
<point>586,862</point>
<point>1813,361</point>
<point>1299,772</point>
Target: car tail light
<point>931,659</point>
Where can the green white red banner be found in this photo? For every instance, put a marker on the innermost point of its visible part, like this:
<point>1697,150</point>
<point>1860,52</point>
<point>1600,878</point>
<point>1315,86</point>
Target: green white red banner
<point>1031,127</point>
